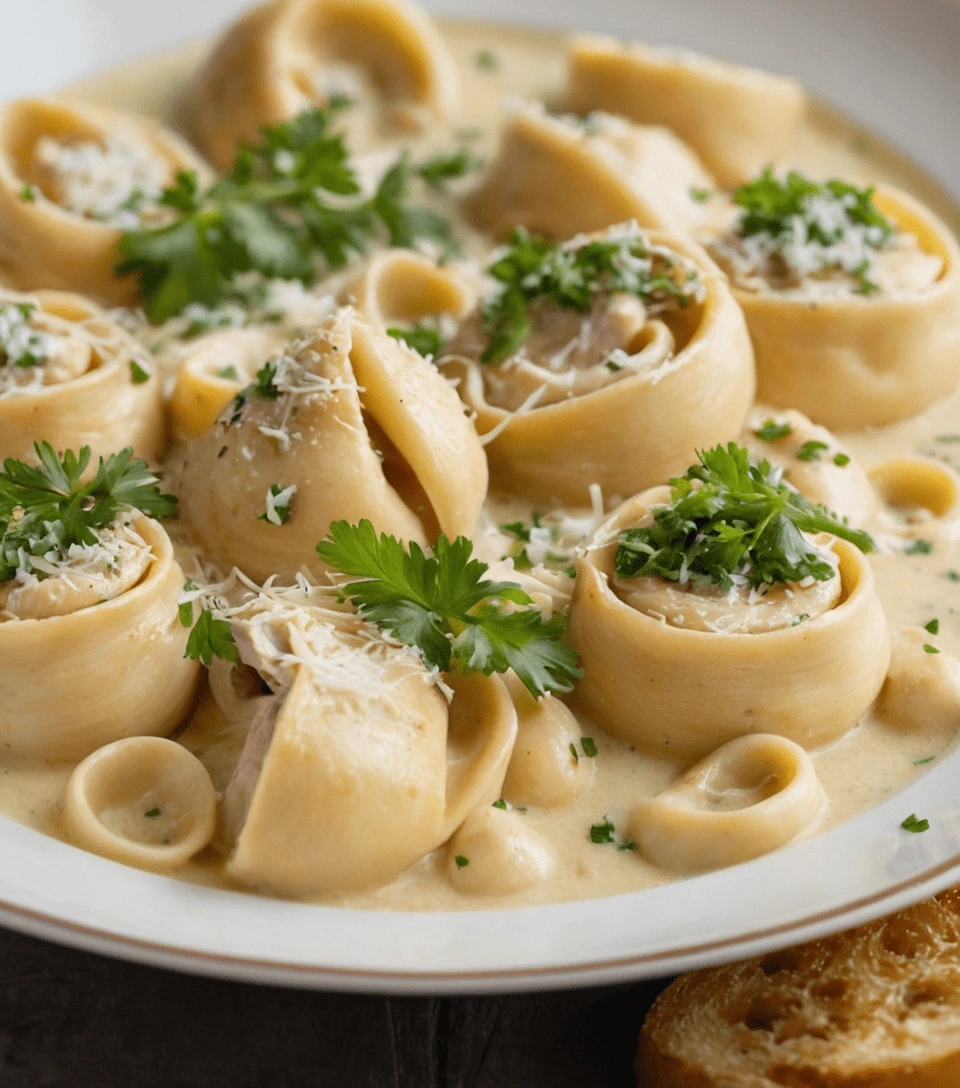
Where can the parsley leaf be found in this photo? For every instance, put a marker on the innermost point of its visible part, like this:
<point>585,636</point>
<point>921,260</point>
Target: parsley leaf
<point>771,431</point>
<point>604,834</point>
<point>271,214</point>
<point>742,519</point>
<point>45,509</point>
<point>447,165</point>
<point>443,607</point>
<point>911,823</point>
<point>532,268</point>
<point>811,450</point>
<point>423,338</point>
<point>919,547</point>
<point>210,638</point>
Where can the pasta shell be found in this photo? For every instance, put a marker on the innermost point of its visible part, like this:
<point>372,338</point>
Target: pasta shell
<point>922,689</point>
<point>495,852</point>
<point>100,404</point>
<point>546,164</point>
<point>401,287</point>
<point>214,372</point>
<point>43,243</point>
<point>290,55</point>
<point>640,429</point>
<point>144,801</point>
<point>863,360</point>
<point>356,391</point>
<point>682,693</point>
<point>56,699</point>
<point>736,119</point>
<point>752,795</point>
<point>355,785</point>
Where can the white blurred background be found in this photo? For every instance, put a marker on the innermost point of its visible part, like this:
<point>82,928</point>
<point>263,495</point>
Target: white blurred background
<point>894,64</point>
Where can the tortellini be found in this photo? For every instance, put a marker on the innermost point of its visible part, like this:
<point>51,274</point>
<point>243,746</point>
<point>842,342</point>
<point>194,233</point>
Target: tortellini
<point>71,376</point>
<point>94,651</point>
<point>679,672</point>
<point>356,766</point>
<point>495,852</point>
<point>215,371</point>
<point>736,119</point>
<point>922,688</point>
<point>752,795</point>
<point>656,380</point>
<point>920,500</point>
<point>385,56</point>
<point>144,801</point>
<point>72,177</point>
<point>546,164</point>
<point>850,356</point>
<point>358,426</point>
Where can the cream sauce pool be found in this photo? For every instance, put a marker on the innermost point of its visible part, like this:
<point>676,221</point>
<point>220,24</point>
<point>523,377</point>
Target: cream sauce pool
<point>867,765</point>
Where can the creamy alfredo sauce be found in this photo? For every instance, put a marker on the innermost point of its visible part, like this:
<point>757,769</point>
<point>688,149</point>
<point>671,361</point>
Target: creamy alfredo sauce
<point>864,767</point>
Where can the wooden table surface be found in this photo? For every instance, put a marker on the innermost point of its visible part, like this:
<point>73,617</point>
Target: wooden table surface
<point>70,1019</point>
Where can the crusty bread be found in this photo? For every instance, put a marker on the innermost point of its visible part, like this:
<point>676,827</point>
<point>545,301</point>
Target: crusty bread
<point>877,1007</point>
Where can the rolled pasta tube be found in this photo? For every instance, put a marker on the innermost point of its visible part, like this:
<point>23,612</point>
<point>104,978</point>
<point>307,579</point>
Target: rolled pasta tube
<point>144,801</point>
<point>402,287</point>
<point>647,422</point>
<point>752,795</point>
<point>495,852</point>
<point>814,460</point>
<point>386,56</point>
<point>546,164</point>
<point>919,487</point>
<point>55,702</point>
<point>857,360</point>
<point>809,682</point>
<point>361,427</point>
<point>72,176</point>
<point>91,386</point>
<point>922,688</point>
<point>214,372</point>
<point>736,119</point>
<point>360,769</point>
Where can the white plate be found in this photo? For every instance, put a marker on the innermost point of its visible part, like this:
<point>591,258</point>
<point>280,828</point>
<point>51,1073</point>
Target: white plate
<point>889,64</point>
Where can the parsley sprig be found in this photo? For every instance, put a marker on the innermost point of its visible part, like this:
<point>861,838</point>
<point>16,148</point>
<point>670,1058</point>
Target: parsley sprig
<point>442,606</point>
<point>44,509</point>
<point>532,268</point>
<point>289,207</point>
<point>742,520</point>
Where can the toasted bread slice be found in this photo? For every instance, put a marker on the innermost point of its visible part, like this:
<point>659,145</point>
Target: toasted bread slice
<point>876,1007</point>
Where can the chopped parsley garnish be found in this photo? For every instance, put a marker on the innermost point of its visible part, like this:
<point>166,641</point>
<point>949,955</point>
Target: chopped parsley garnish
<point>589,746</point>
<point>152,813</point>
<point>802,618</point>
<point>138,374</point>
<point>27,194</point>
<point>933,627</point>
<point>284,210</point>
<point>605,834</point>
<point>841,460</point>
<point>953,575</point>
<point>185,608</point>
<point>500,804</point>
<point>45,509</point>
<point>771,431</point>
<point>229,373</point>
<point>446,166</point>
<point>278,502</point>
<point>487,60</point>
<point>263,384</point>
<point>742,522</point>
<point>461,861</point>
<point>537,539</point>
<point>441,605</point>
<point>911,823</point>
<point>423,338</point>
<point>210,638</point>
<point>811,450</point>
<point>929,649</point>
<point>615,367</point>
<point>531,268</point>
<point>809,227</point>
<point>919,547</point>
<point>701,196</point>
<point>948,438</point>
<point>574,752</point>
<point>20,344</point>
<point>926,759</point>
